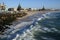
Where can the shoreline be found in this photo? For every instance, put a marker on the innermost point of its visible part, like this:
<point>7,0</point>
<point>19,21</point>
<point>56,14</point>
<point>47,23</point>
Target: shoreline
<point>17,22</point>
<point>30,13</point>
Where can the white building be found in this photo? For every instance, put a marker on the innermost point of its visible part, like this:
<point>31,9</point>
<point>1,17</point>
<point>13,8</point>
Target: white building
<point>2,6</point>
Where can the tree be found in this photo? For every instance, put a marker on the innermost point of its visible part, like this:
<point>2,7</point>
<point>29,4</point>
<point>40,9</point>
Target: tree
<point>19,8</point>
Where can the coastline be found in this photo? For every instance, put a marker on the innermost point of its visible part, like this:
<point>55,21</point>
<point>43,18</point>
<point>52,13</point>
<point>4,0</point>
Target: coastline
<point>16,23</point>
<point>19,22</point>
<point>30,13</point>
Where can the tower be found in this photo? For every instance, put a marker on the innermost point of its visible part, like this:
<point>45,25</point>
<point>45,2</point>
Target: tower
<point>43,8</point>
<point>19,8</point>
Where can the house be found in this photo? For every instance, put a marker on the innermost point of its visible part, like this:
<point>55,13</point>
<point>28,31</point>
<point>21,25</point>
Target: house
<point>10,9</point>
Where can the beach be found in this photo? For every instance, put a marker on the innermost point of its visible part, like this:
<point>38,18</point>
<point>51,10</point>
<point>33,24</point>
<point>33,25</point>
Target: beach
<point>20,25</point>
<point>30,13</point>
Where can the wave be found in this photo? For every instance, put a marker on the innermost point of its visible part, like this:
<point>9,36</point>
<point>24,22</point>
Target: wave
<point>44,27</point>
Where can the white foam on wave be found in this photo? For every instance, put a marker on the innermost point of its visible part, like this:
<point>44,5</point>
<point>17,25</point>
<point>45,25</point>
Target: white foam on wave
<point>14,29</point>
<point>45,16</point>
<point>28,34</point>
<point>23,24</point>
<point>16,37</point>
<point>40,18</point>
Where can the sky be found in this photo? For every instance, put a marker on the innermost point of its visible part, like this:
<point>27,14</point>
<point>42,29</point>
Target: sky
<point>32,3</point>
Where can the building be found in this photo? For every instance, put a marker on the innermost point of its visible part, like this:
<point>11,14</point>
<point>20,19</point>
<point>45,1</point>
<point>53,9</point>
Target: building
<point>2,6</point>
<point>10,9</point>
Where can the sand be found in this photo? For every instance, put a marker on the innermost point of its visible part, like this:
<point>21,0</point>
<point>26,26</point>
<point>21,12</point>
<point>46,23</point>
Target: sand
<point>30,13</point>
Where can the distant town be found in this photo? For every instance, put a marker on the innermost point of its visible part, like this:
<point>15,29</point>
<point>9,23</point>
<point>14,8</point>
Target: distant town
<point>3,8</point>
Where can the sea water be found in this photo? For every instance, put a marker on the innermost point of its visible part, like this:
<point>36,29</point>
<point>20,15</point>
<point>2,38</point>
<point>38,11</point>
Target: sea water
<point>41,27</point>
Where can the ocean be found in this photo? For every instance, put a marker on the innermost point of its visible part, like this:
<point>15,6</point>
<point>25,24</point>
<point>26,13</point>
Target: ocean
<point>38,27</point>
